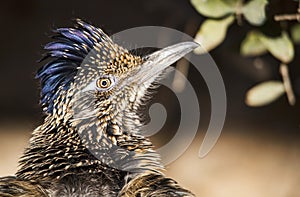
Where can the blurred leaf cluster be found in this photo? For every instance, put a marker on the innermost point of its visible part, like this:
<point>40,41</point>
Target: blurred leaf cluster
<point>221,14</point>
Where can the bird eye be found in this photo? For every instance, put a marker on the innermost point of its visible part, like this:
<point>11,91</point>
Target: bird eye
<point>104,83</point>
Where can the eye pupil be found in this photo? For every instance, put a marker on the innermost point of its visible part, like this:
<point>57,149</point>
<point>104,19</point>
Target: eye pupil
<point>104,83</point>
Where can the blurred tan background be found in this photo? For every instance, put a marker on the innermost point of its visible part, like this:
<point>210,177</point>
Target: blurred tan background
<point>239,165</point>
<point>258,152</point>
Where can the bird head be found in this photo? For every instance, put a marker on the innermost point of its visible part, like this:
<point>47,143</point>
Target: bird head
<point>89,75</point>
<point>97,86</point>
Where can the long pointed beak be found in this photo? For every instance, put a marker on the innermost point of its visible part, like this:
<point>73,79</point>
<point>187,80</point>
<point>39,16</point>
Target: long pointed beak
<point>156,62</point>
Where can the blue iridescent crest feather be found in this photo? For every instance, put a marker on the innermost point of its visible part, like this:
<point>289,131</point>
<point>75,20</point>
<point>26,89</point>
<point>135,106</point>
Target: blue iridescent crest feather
<point>65,55</point>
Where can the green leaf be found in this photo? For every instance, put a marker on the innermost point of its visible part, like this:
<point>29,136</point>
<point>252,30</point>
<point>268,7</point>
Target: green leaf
<point>254,11</point>
<point>214,8</point>
<point>252,45</point>
<point>295,32</point>
<point>212,33</point>
<point>264,93</point>
<point>282,48</point>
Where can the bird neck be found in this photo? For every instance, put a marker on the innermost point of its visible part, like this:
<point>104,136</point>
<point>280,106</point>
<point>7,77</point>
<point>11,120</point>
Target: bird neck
<point>63,145</point>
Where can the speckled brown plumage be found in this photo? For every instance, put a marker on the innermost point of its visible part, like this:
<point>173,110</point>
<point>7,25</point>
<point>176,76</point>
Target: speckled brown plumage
<point>14,187</point>
<point>90,143</point>
<point>153,184</point>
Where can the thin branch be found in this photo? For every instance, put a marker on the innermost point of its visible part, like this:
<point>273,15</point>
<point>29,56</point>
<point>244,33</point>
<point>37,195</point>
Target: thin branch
<point>238,12</point>
<point>179,82</point>
<point>287,83</point>
<point>287,17</point>
<point>182,65</point>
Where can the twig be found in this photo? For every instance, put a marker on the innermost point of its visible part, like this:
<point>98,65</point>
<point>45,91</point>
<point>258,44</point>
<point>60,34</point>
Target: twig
<point>179,83</point>
<point>182,65</point>
<point>238,12</point>
<point>287,83</point>
<point>287,17</point>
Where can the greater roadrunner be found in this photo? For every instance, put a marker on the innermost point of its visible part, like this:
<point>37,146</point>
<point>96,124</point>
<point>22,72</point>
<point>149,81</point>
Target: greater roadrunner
<point>90,143</point>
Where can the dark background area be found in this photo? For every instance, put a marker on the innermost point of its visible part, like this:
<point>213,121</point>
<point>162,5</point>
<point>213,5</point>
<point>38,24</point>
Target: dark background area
<point>26,26</point>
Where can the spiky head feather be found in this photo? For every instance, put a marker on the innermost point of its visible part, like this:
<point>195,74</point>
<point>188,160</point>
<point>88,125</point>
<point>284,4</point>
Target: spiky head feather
<point>67,54</point>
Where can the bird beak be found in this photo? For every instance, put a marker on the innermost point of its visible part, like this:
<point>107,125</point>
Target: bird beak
<point>156,62</point>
